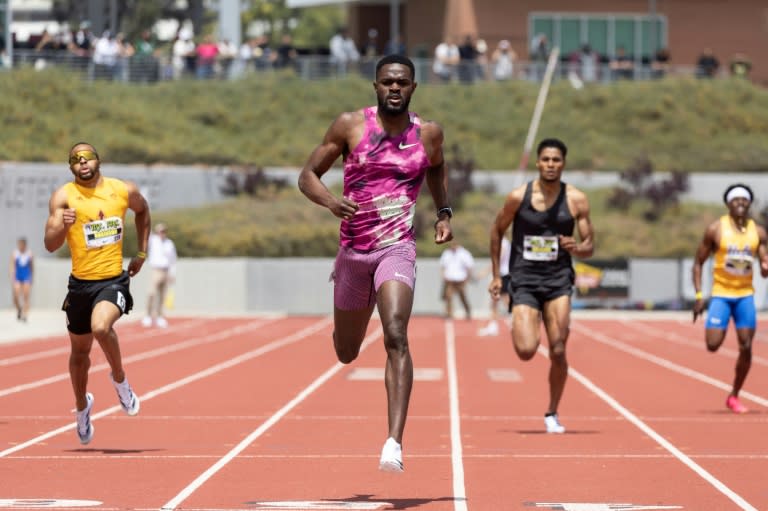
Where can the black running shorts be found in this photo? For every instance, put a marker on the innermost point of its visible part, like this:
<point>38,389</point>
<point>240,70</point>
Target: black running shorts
<point>537,296</point>
<point>83,295</point>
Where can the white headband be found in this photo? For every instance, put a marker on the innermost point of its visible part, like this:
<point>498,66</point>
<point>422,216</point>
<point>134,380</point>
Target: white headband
<point>738,192</point>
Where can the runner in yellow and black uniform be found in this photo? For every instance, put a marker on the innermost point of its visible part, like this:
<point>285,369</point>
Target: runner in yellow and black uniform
<point>736,243</point>
<point>89,214</point>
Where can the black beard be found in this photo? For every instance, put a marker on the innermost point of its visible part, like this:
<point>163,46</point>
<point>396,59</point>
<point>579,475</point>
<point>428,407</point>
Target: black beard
<point>388,110</point>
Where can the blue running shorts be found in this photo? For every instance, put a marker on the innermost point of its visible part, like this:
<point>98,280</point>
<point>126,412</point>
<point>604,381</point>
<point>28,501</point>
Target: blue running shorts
<point>721,310</point>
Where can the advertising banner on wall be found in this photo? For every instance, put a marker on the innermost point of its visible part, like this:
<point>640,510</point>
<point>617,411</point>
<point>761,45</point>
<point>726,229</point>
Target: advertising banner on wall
<point>602,280</point>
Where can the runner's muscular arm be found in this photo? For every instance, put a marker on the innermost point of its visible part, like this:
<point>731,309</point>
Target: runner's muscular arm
<point>143,220</point>
<point>586,246</point>
<point>762,252</point>
<point>504,219</point>
<point>60,219</point>
<point>437,179</point>
<point>320,160</point>
<point>704,250</point>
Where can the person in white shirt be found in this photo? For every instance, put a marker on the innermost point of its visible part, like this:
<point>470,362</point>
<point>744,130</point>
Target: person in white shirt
<point>456,263</point>
<point>343,51</point>
<point>492,328</point>
<point>161,257</point>
<point>446,60</point>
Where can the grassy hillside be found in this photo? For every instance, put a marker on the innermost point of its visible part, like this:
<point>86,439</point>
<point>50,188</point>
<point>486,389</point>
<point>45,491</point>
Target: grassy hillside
<point>275,120</point>
<point>286,224</point>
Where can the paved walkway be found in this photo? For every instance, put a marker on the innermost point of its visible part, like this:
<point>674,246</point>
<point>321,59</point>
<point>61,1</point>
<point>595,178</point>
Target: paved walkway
<point>41,323</point>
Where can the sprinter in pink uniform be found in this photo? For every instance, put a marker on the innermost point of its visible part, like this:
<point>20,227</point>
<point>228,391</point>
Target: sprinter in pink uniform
<point>387,152</point>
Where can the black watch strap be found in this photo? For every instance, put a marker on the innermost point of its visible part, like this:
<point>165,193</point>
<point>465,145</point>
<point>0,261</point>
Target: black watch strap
<point>445,211</point>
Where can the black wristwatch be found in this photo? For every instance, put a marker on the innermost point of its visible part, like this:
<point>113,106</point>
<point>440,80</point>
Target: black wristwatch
<point>446,210</point>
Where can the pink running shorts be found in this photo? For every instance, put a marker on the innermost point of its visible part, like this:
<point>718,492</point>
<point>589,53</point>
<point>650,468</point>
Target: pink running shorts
<point>358,275</point>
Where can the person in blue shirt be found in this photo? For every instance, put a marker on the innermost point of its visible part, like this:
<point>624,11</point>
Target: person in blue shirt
<point>22,266</point>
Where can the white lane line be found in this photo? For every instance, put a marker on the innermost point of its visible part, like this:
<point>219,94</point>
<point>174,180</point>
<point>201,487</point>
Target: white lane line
<point>666,444</point>
<point>685,341</point>
<point>274,419</point>
<point>297,336</point>
<point>501,456</point>
<point>197,341</point>
<point>457,458</point>
<point>667,364</point>
<point>129,338</point>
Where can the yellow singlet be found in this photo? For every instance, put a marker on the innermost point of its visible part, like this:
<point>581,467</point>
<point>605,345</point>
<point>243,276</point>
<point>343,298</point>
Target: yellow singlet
<point>733,260</point>
<point>96,238</point>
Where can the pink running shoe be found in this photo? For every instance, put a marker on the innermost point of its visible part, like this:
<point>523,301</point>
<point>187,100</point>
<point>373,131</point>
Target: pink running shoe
<point>735,405</point>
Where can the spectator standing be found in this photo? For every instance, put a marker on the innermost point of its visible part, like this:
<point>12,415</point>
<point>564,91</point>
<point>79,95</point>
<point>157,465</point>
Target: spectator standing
<point>369,52</point>
<point>343,51</point>
<point>468,60</point>
<point>456,263</point>
<point>492,328</point>
<point>143,67</point>
<point>622,65</point>
<point>227,52</point>
<point>183,51</point>
<point>503,61</point>
<point>106,53</point>
<point>286,53</point>
<point>588,62</point>
<point>207,52</point>
<point>707,65</point>
<point>21,272</point>
<point>740,66</point>
<point>660,63</point>
<point>396,46</point>
<point>161,257</point>
<point>446,60</point>
<point>539,56</point>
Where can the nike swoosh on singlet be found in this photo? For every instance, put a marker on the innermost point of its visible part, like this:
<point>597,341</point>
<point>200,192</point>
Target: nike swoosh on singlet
<point>405,146</point>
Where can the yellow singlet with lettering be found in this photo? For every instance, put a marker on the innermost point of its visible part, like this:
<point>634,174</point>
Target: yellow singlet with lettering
<point>734,259</point>
<point>96,238</point>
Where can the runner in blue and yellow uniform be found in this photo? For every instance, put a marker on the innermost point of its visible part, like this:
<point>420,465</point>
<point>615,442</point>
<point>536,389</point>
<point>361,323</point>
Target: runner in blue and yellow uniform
<point>89,214</point>
<point>736,243</point>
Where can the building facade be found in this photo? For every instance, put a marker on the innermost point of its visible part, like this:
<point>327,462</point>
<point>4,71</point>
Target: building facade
<point>686,28</point>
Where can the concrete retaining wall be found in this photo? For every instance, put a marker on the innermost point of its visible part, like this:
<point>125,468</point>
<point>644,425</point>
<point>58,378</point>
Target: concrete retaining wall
<point>301,285</point>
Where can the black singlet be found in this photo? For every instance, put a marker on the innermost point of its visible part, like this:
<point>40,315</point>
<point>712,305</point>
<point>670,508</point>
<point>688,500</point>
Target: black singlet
<point>537,259</point>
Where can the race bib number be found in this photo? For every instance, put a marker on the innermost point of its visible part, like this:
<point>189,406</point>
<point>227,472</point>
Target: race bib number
<point>738,264</point>
<point>540,248</point>
<point>103,232</point>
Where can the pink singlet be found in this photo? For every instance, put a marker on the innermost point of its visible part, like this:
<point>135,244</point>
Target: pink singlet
<point>383,175</point>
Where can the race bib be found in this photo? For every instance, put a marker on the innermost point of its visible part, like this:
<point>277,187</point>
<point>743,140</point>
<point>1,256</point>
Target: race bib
<point>540,248</point>
<point>103,232</point>
<point>738,264</point>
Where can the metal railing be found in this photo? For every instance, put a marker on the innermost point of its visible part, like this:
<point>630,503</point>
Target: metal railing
<point>150,69</point>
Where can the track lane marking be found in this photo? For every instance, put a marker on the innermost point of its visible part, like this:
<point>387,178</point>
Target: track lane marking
<point>271,346</point>
<point>667,364</point>
<point>264,427</point>
<point>663,442</point>
<point>37,355</point>
<point>156,352</point>
<point>685,341</point>
<point>457,463</point>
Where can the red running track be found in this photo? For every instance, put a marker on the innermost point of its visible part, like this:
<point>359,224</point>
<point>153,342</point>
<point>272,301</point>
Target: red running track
<point>255,413</point>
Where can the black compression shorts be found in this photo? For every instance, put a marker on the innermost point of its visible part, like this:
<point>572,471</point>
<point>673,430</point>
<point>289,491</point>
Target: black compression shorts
<point>83,295</point>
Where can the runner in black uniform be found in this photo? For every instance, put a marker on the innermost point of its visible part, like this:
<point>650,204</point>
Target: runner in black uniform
<point>543,214</point>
